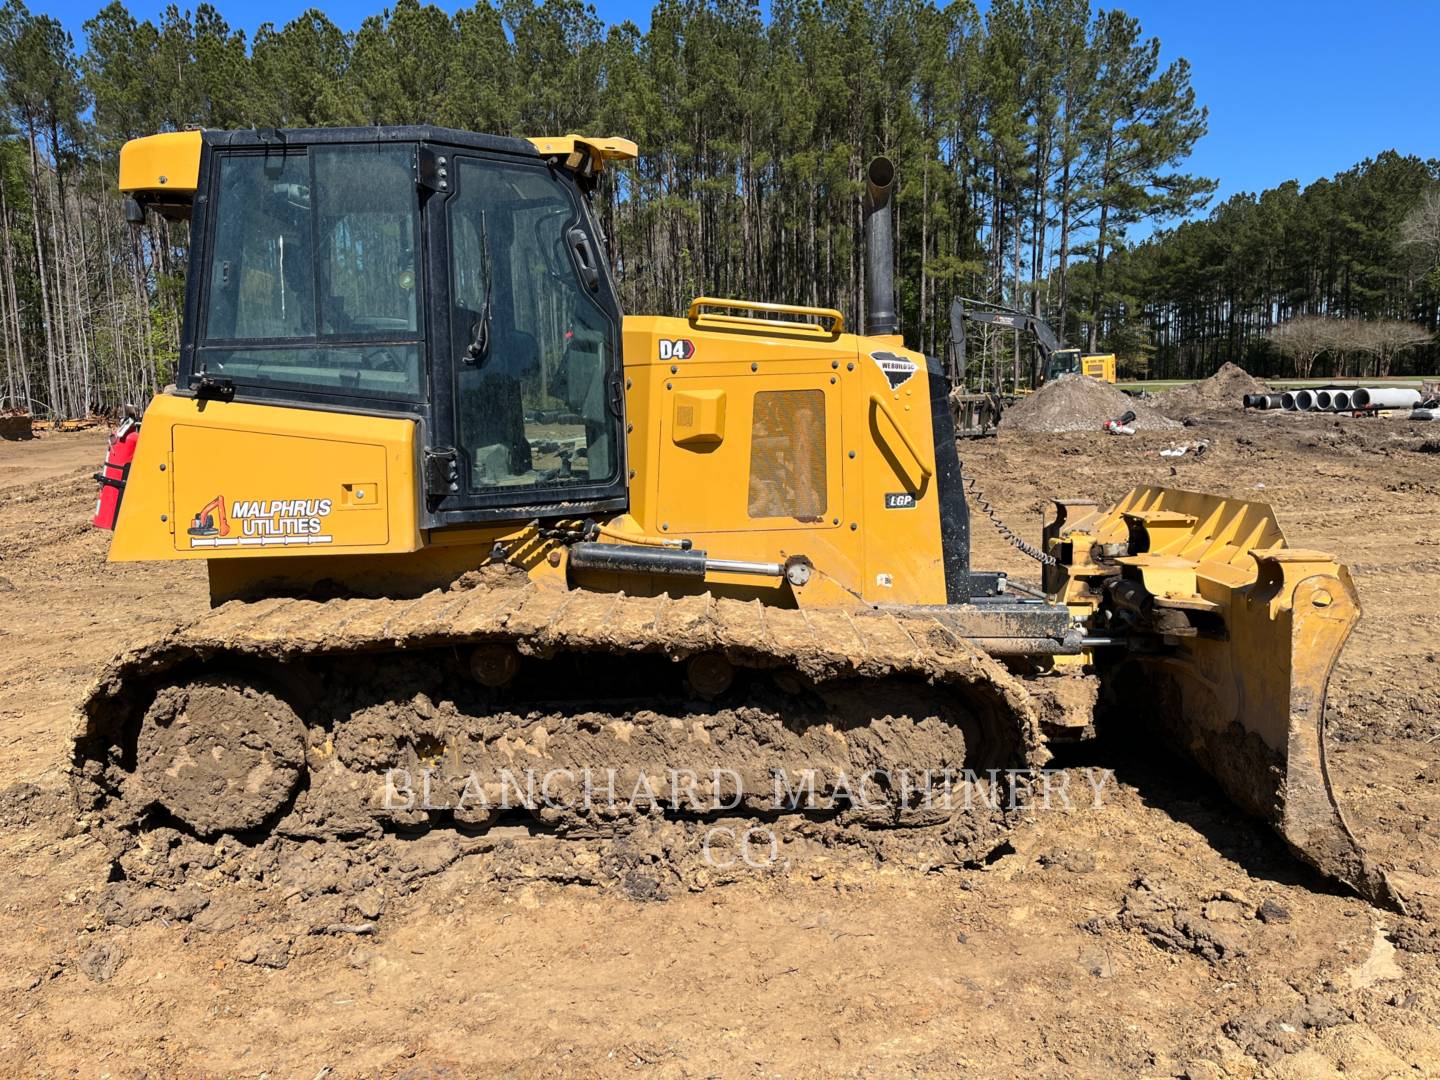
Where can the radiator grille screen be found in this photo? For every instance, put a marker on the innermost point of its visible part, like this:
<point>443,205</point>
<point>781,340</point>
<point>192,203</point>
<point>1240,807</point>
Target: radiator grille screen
<point>787,455</point>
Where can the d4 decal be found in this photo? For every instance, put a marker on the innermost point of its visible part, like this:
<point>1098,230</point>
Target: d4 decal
<point>676,348</point>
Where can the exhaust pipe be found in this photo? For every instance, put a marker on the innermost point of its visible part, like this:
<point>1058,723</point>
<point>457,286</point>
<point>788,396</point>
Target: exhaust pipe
<point>880,318</point>
<point>1384,397</point>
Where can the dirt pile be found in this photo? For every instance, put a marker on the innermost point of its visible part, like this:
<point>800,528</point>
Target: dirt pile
<point>1223,390</point>
<point>1079,403</point>
<point>15,426</point>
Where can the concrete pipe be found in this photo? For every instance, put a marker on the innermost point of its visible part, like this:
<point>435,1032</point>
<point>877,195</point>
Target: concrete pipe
<point>1304,400</point>
<point>1384,397</point>
<point>1273,401</point>
<point>1287,401</point>
<point>1323,400</point>
<point>1340,399</point>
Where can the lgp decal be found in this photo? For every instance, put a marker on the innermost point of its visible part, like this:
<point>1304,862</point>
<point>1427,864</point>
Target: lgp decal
<point>899,500</point>
<point>260,523</point>
<point>897,369</point>
<point>676,348</point>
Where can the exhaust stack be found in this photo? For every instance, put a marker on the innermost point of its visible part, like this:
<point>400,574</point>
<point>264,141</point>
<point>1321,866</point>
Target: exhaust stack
<point>880,317</point>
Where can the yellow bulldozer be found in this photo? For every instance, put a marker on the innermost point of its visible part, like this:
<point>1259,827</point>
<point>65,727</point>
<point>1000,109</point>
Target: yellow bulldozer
<point>459,514</point>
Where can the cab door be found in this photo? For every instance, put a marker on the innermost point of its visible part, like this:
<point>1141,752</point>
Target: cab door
<point>527,366</point>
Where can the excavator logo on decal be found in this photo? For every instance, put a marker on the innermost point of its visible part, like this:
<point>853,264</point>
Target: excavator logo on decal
<point>896,368</point>
<point>211,520</point>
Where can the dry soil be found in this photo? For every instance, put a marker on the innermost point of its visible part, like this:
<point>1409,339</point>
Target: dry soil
<point>1160,934</point>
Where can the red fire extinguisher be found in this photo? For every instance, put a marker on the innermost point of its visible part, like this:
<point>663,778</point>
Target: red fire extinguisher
<point>115,472</point>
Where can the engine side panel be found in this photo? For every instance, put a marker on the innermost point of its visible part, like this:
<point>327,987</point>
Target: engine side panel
<point>224,480</point>
<point>761,445</point>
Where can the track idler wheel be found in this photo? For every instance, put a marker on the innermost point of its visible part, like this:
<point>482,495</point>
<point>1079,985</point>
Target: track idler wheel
<point>220,754</point>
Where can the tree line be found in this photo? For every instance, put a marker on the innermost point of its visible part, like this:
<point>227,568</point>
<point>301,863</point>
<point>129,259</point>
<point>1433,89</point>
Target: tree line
<point>1341,277</point>
<point>1028,141</point>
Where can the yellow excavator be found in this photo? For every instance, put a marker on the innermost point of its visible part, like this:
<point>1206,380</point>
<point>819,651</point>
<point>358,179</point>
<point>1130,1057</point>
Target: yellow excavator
<point>474,518</point>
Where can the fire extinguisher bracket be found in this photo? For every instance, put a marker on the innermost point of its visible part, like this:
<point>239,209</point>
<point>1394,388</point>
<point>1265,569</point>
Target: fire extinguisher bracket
<point>114,473</point>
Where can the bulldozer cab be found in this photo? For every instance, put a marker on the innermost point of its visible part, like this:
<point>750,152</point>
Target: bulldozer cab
<point>419,272</point>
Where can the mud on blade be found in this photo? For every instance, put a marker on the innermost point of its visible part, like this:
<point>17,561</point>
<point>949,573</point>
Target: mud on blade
<point>1236,637</point>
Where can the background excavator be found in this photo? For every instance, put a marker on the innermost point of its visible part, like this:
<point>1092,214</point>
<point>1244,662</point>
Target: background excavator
<point>978,410</point>
<point>1055,358</point>
<point>477,517</point>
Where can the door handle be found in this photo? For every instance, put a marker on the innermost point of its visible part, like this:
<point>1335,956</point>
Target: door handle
<point>585,256</point>
<point>886,426</point>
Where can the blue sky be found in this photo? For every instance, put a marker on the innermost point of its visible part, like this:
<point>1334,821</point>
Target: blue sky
<point>1296,88</point>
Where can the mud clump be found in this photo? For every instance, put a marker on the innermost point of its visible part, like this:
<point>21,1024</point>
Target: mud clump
<point>1214,932</point>
<point>25,804</point>
<point>1269,1034</point>
<point>1079,403</point>
<point>1225,389</point>
<point>100,962</point>
<point>264,950</point>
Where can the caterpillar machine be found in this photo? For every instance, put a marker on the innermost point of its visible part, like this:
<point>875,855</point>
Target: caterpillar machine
<point>978,412</point>
<point>1056,359</point>
<point>460,515</point>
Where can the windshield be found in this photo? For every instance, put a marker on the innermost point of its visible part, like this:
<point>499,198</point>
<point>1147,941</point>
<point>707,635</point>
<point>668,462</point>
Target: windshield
<point>1064,362</point>
<point>314,274</point>
<point>534,348</point>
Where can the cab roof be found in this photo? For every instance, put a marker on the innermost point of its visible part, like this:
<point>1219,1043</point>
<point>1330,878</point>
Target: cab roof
<point>166,167</point>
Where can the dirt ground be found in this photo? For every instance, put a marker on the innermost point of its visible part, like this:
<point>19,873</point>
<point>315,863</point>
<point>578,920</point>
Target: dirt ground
<point>1159,934</point>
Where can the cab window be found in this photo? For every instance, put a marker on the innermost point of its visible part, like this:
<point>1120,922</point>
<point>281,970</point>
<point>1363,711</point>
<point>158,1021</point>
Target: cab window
<point>314,275</point>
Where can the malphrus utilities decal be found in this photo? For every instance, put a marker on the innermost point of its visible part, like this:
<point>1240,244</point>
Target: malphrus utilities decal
<point>261,523</point>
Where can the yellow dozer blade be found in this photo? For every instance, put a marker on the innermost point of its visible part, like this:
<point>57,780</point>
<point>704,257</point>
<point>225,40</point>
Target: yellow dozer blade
<point>1235,637</point>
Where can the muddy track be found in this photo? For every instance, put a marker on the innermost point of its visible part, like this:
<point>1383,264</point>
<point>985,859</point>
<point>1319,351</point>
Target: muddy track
<point>354,720</point>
